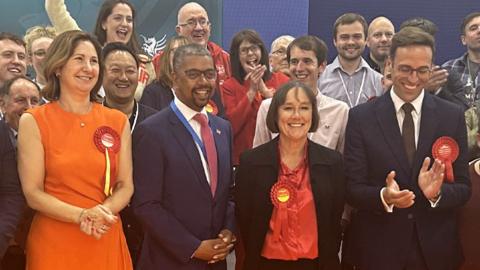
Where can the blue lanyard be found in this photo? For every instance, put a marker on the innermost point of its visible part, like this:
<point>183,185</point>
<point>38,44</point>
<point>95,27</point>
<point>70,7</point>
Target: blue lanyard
<point>189,128</point>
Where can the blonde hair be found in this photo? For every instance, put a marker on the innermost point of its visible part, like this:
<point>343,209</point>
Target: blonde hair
<point>35,32</point>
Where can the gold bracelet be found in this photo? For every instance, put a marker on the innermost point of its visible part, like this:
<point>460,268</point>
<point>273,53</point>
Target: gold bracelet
<point>81,214</point>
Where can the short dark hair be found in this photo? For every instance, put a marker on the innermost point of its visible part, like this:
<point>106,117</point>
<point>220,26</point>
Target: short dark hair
<point>9,36</point>
<point>422,23</point>
<point>61,49</point>
<point>5,89</point>
<point>105,11</point>
<point>410,36</point>
<point>118,46</point>
<point>192,49</point>
<point>310,43</point>
<point>467,20</point>
<point>279,99</point>
<point>253,37</point>
<point>349,18</point>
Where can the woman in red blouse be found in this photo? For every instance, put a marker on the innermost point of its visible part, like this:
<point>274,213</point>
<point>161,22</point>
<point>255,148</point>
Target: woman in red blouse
<point>251,82</point>
<point>289,192</point>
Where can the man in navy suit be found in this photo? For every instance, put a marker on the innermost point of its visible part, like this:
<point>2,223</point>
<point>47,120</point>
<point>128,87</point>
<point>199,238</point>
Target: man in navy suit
<point>405,214</point>
<point>182,201</point>
<point>11,196</point>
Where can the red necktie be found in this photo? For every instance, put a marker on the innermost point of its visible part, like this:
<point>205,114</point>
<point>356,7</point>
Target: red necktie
<point>209,143</point>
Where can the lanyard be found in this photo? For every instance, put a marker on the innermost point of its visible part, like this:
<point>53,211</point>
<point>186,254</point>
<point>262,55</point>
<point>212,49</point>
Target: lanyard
<point>135,117</point>
<point>346,91</point>
<point>189,128</point>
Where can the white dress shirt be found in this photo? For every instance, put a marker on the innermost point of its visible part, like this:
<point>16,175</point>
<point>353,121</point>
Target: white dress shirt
<point>188,113</point>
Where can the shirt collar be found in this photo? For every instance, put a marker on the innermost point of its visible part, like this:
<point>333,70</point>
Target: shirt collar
<point>188,112</point>
<point>398,102</point>
<point>336,65</point>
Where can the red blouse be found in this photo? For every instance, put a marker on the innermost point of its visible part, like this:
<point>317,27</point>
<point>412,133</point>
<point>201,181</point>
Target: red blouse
<point>243,114</point>
<point>300,239</point>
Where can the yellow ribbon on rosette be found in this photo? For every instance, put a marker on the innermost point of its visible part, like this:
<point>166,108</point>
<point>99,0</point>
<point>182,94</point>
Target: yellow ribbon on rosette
<point>107,141</point>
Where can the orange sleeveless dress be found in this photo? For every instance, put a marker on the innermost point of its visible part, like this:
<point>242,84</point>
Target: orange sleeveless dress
<point>74,173</point>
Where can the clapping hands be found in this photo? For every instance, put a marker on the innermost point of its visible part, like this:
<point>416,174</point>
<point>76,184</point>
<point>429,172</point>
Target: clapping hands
<point>96,221</point>
<point>255,75</point>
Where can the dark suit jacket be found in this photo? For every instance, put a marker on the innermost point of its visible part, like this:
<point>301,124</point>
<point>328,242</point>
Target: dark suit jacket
<point>157,96</point>
<point>374,147</point>
<point>258,172</point>
<point>11,196</point>
<point>172,197</point>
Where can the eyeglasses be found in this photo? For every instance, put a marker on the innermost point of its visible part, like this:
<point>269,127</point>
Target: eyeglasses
<point>193,74</point>
<point>192,23</point>
<point>422,72</point>
<point>281,51</point>
<point>253,48</point>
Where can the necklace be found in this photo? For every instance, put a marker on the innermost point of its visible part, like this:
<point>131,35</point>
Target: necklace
<point>79,115</point>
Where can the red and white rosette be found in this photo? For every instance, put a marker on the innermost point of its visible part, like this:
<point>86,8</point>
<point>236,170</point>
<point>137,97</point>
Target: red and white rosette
<point>108,141</point>
<point>446,150</point>
<point>283,195</point>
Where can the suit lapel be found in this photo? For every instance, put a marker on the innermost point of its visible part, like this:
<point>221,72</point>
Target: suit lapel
<point>428,125</point>
<point>387,119</point>
<point>321,189</point>
<point>185,140</point>
<point>269,160</point>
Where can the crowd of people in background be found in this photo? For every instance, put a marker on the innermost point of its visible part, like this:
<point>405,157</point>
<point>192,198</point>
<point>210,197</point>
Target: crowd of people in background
<point>112,160</point>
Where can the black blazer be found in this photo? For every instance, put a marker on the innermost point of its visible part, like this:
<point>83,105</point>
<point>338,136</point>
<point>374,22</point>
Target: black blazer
<point>11,196</point>
<point>258,172</point>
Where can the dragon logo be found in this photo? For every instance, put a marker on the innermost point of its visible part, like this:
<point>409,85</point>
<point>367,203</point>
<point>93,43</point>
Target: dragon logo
<point>151,46</point>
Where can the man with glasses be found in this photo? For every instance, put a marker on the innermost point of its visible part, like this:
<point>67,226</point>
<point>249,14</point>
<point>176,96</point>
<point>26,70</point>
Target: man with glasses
<point>406,198</point>
<point>349,78</point>
<point>278,54</point>
<point>183,176</point>
<point>379,40</point>
<point>193,23</point>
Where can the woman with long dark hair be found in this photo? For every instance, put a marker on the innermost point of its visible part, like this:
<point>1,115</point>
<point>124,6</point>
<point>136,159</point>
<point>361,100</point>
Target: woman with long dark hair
<point>251,82</point>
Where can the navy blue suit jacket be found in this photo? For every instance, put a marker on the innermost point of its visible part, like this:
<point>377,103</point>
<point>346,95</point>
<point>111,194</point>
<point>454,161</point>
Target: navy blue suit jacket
<point>11,196</point>
<point>172,197</point>
<point>373,148</point>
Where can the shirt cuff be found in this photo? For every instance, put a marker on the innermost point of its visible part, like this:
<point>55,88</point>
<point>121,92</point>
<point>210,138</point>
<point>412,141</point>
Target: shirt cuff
<point>434,204</point>
<point>388,207</point>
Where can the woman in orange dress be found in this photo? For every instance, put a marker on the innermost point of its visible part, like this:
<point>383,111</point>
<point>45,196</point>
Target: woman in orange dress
<point>75,165</point>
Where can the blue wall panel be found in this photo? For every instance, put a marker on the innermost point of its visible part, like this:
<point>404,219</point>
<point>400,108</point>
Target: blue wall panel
<point>271,18</point>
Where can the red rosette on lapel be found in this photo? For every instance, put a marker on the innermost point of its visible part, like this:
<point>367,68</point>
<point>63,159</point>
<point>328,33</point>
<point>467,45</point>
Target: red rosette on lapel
<point>108,141</point>
<point>283,195</point>
<point>446,150</point>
